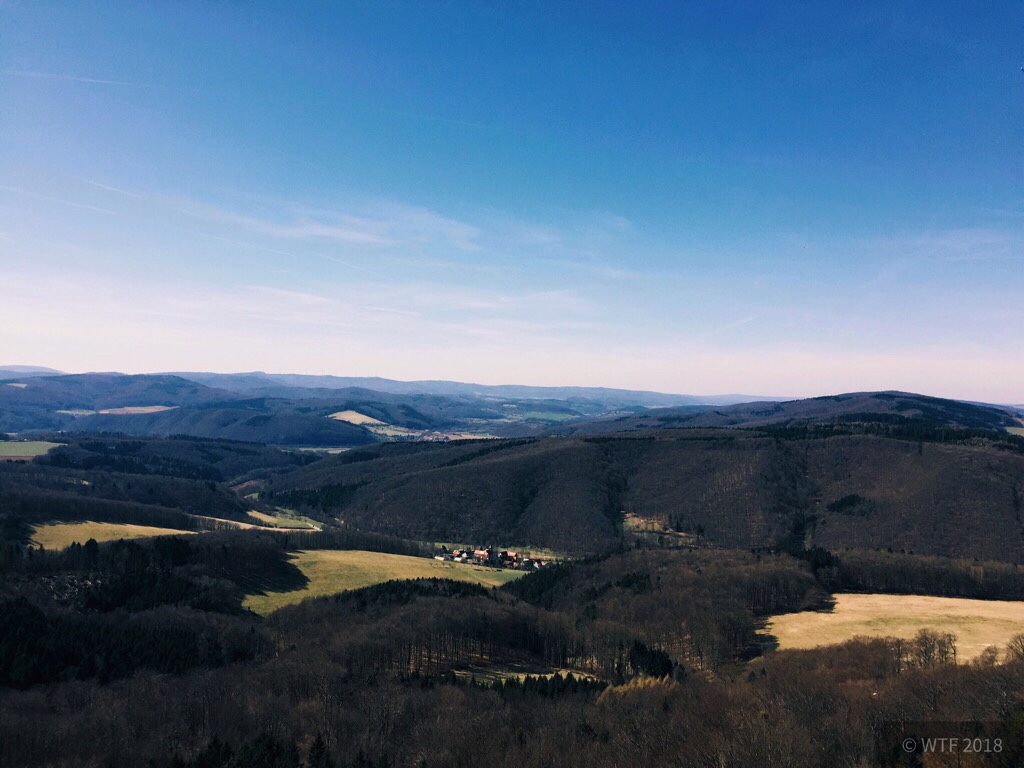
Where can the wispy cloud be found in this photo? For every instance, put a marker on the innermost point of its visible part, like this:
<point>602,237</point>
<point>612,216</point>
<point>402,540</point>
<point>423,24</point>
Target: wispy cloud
<point>956,244</point>
<point>109,188</point>
<point>299,297</point>
<point>733,325</point>
<point>392,311</point>
<point>64,77</point>
<point>51,198</point>
<point>423,224</point>
<point>320,230</point>
<point>245,244</point>
<point>348,265</point>
<point>381,224</point>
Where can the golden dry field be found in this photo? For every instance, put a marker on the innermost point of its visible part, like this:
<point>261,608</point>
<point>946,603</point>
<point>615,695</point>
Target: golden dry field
<point>131,410</point>
<point>354,417</point>
<point>61,535</point>
<point>976,623</point>
<point>332,571</point>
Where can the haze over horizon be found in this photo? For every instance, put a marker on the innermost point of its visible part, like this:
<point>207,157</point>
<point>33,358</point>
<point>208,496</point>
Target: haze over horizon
<point>785,200</point>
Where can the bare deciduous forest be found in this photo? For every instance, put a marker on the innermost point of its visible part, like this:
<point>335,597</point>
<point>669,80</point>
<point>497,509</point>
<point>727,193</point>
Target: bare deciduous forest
<point>648,648</point>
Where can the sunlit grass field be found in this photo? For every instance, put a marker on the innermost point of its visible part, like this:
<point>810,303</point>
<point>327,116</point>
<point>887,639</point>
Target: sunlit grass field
<point>332,571</point>
<point>283,520</point>
<point>976,623</point>
<point>24,450</point>
<point>61,535</point>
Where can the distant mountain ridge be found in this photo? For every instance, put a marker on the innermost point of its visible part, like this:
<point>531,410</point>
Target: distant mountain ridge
<point>165,405</point>
<point>889,406</point>
<point>24,371</point>
<point>255,380</point>
<point>290,410</point>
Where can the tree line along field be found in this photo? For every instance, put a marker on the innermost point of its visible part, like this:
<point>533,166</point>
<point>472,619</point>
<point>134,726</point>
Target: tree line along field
<point>333,571</point>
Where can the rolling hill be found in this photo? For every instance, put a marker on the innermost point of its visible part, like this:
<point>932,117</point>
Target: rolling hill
<point>25,371</point>
<point>262,426</point>
<point>164,405</point>
<point>924,489</point>
<point>607,398</point>
<point>890,407</point>
<point>301,410</point>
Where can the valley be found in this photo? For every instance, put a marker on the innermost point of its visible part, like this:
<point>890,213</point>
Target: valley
<point>764,566</point>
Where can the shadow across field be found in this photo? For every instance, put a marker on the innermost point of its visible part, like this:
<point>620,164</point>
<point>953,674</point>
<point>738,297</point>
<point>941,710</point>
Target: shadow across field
<point>267,571</point>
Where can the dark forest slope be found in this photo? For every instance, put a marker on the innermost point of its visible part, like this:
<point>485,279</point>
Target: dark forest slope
<point>231,424</point>
<point>35,403</point>
<point>950,494</point>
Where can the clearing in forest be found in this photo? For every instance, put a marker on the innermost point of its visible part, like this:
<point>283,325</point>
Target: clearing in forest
<point>354,417</point>
<point>15,449</point>
<point>976,623</point>
<point>133,410</point>
<point>284,519</point>
<point>61,535</point>
<point>330,571</point>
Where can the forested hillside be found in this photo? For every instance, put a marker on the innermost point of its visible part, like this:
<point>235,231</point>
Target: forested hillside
<point>658,649</point>
<point>644,641</point>
<point>653,649</point>
<point>850,408</point>
<point>167,405</point>
<point>922,489</point>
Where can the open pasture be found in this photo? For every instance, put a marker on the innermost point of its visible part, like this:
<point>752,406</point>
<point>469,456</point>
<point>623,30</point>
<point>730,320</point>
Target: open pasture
<point>284,520</point>
<point>61,535</point>
<point>332,571</point>
<point>132,410</point>
<point>355,417</point>
<point>10,450</point>
<point>976,623</point>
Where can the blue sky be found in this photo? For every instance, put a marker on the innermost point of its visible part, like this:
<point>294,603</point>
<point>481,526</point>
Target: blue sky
<point>782,199</point>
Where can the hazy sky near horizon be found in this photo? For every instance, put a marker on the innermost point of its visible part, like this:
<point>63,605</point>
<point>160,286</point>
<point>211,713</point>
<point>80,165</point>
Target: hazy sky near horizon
<point>767,198</point>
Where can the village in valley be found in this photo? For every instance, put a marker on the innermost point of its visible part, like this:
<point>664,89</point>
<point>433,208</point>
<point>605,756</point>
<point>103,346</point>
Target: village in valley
<point>521,561</point>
